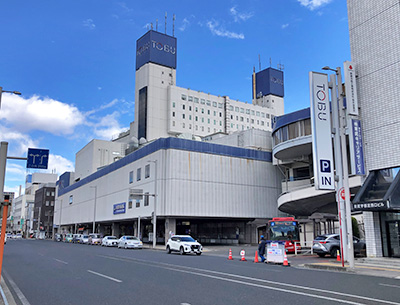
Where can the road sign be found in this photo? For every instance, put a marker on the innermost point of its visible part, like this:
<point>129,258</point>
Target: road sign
<point>37,158</point>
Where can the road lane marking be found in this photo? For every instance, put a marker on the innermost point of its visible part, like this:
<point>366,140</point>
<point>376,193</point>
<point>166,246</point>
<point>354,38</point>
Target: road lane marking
<point>389,285</point>
<point>60,261</point>
<point>176,268</point>
<point>105,276</point>
<point>18,292</point>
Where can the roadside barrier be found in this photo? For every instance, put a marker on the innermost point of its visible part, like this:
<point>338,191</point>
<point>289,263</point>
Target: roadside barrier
<point>256,257</point>
<point>230,255</point>
<point>242,253</point>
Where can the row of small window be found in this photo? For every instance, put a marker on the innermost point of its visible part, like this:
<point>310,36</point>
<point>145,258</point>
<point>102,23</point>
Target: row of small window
<point>249,111</point>
<point>250,120</point>
<point>139,173</point>
<point>196,127</point>
<point>294,130</point>
<point>49,193</point>
<point>196,118</point>
<point>189,98</point>
<point>242,126</point>
<point>196,109</point>
<point>145,203</point>
<point>190,125</point>
<point>50,203</point>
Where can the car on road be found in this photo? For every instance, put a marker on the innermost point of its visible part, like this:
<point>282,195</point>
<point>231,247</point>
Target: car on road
<point>68,238</point>
<point>58,237</point>
<point>76,238</point>
<point>84,239</point>
<point>184,244</point>
<point>94,239</point>
<point>18,236</point>
<point>127,241</point>
<point>109,241</point>
<point>330,244</point>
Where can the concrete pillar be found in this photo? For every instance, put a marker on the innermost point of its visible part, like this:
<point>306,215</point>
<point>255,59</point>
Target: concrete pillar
<point>170,226</point>
<point>373,237</point>
<point>115,229</point>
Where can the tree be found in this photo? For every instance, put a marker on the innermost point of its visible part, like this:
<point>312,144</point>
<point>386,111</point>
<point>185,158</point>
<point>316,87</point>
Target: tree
<point>354,225</point>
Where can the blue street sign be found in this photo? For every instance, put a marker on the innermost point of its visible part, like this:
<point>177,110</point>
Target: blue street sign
<point>37,158</point>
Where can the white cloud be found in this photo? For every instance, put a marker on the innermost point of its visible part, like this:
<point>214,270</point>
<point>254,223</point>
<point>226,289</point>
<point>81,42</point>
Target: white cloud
<point>185,24</point>
<point>313,4</point>
<point>18,142</point>
<point>108,126</point>
<point>36,113</point>
<point>59,164</point>
<point>219,31</point>
<point>284,26</point>
<point>240,16</point>
<point>89,24</point>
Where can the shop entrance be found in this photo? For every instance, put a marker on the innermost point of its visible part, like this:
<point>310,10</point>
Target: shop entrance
<point>393,232</point>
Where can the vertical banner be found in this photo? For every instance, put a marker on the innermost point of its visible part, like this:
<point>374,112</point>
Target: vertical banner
<point>356,148</point>
<point>321,132</point>
<point>351,89</point>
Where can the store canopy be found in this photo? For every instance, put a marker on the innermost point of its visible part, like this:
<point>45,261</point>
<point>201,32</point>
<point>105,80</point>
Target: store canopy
<point>380,192</point>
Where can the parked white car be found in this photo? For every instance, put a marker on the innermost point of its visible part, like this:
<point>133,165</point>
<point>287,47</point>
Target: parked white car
<point>184,244</point>
<point>84,239</point>
<point>130,242</point>
<point>94,239</point>
<point>109,241</point>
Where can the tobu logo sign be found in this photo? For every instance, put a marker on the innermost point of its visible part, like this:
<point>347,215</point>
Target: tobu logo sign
<point>276,80</point>
<point>321,95</point>
<point>156,45</point>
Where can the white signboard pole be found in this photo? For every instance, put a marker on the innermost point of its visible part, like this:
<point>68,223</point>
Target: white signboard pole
<point>321,132</point>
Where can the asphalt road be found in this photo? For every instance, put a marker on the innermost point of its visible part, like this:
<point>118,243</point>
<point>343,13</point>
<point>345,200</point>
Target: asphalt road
<point>45,272</point>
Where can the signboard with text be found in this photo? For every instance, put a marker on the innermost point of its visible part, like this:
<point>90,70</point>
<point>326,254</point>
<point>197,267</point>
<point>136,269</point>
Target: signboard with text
<point>356,148</point>
<point>321,132</point>
<point>119,208</point>
<point>37,158</point>
<point>351,89</point>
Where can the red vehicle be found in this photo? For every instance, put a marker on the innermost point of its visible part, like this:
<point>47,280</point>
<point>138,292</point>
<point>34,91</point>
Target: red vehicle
<point>284,229</point>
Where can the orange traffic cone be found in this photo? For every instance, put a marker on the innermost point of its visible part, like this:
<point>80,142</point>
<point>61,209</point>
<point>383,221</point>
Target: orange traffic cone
<point>230,255</point>
<point>285,261</point>
<point>338,256</point>
<point>256,258</point>
<point>243,259</point>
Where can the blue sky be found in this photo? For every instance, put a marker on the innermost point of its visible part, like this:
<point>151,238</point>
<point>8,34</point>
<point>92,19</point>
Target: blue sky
<point>74,62</point>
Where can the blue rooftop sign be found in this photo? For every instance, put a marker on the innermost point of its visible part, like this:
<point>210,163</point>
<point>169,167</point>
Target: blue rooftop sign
<point>37,158</point>
<point>269,81</point>
<point>156,48</point>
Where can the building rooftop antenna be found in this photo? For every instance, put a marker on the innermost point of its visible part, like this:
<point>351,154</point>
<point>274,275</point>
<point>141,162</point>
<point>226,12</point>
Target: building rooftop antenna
<point>157,25</point>
<point>281,66</point>
<point>173,25</point>
<point>151,25</point>
<point>165,22</point>
<point>270,62</point>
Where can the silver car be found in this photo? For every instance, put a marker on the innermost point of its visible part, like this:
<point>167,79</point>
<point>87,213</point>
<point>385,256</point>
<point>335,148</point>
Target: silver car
<point>109,241</point>
<point>94,239</point>
<point>330,244</point>
<point>130,242</point>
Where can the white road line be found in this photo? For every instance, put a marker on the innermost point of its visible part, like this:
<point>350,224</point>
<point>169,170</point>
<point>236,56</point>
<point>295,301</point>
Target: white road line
<point>176,267</point>
<point>105,276</point>
<point>389,285</point>
<point>20,295</point>
<point>60,261</point>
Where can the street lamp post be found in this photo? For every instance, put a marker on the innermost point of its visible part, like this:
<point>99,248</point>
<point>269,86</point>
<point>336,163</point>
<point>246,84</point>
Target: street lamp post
<point>94,208</point>
<point>155,204</point>
<point>339,124</point>
<point>13,92</point>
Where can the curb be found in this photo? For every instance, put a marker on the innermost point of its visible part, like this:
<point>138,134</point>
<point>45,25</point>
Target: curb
<point>6,296</point>
<point>325,267</point>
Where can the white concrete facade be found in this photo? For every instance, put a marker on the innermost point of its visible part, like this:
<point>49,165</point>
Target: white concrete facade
<point>374,27</point>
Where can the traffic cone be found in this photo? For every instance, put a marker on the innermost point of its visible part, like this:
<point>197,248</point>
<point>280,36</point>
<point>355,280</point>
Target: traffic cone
<point>242,253</point>
<point>256,258</point>
<point>230,255</point>
<point>285,261</point>
<point>338,256</point>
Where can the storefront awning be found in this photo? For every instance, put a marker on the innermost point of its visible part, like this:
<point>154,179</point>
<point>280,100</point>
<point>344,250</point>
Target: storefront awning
<point>380,192</point>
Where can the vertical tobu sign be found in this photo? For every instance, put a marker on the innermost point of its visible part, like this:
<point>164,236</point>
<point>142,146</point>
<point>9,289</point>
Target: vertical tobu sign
<point>321,132</point>
<point>356,148</point>
<point>351,89</point>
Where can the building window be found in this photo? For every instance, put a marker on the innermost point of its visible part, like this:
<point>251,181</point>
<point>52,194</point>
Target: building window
<point>183,107</point>
<point>183,116</point>
<point>173,104</point>
<point>237,109</point>
<point>196,109</point>
<point>252,112</point>
<point>196,118</point>
<point>183,125</point>
<point>231,108</point>
<point>208,121</point>
<point>215,113</point>
<point>208,103</point>
<point>258,113</point>
<point>183,97</point>
<point>202,101</point>
<point>252,121</point>
<point>202,120</point>
<point>208,129</point>
<point>248,120</point>
<point>190,117</point>
<point>190,108</point>
<point>190,126</point>
<point>147,171</point>
<point>208,111</point>
<point>146,199</point>
<point>190,98</point>
<point>130,177</point>
<point>220,105</point>
<point>52,203</point>
<point>173,113</point>
<point>138,203</point>
<point>262,114</point>
<point>231,117</point>
<point>202,128</point>
<point>138,174</point>
<point>202,110</point>
<point>220,114</point>
<point>215,122</point>
<point>71,199</point>
<point>267,115</point>
<point>196,100</point>
<point>241,119</point>
<point>215,104</point>
<point>173,123</point>
<point>47,203</point>
<point>241,110</point>
<point>247,111</point>
<point>47,193</point>
<point>262,123</point>
<point>130,204</point>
